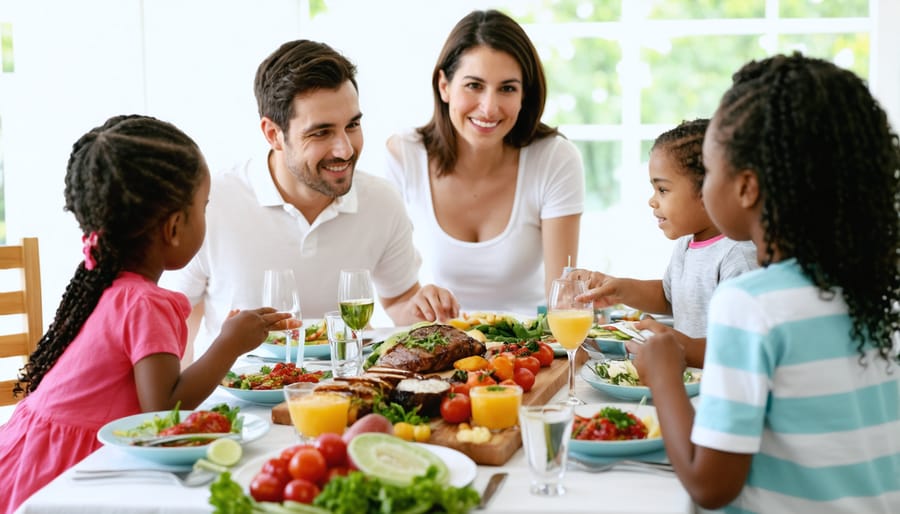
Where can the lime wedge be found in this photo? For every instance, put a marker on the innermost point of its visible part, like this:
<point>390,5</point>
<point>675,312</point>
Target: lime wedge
<point>224,452</point>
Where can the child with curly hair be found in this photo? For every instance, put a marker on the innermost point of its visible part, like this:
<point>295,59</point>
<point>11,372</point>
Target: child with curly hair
<point>702,256</point>
<point>138,188</point>
<point>800,401</point>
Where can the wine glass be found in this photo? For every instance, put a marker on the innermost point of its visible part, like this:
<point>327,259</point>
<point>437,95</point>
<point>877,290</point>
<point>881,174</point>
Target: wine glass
<point>280,293</point>
<point>570,321</point>
<point>357,300</point>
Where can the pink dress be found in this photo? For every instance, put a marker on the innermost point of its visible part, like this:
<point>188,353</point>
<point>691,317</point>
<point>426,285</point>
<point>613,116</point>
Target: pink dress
<point>90,385</point>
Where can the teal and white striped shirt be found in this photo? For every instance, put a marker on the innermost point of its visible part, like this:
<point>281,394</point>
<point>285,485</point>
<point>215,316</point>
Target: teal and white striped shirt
<point>783,381</point>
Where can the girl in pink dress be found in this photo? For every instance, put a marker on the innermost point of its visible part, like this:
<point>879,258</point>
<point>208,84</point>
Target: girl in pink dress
<point>138,188</point>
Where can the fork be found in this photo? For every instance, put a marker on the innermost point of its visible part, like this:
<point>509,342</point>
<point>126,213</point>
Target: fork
<point>189,478</point>
<point>624,465</point>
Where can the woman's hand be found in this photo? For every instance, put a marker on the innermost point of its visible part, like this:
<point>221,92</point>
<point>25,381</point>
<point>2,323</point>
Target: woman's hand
<point>433,303</point>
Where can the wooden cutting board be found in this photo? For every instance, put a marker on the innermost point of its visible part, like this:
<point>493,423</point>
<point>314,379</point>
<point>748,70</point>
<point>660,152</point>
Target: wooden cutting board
<point>503,444</point>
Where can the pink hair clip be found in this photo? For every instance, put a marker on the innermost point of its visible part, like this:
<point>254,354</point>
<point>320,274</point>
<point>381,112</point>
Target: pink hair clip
<point>90,242</point>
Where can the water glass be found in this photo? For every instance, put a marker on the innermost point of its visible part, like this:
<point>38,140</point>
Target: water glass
<point>546,430</point>
<point>346,350</point>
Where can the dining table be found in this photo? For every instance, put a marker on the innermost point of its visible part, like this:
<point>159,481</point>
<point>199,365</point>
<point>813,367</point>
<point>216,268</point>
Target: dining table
<point>622,491</point>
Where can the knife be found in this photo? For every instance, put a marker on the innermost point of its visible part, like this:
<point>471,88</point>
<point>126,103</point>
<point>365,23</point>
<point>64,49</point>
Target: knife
<point>492,487</point>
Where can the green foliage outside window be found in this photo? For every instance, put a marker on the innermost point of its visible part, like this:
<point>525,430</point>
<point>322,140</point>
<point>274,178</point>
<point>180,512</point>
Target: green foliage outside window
<point>824,9</point>
<point>564,11</point>
<point>706,9</point>
<point>583,87</point>
<point>688,81</point>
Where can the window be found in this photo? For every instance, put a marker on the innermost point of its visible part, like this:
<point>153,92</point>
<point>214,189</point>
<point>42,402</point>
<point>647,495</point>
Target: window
<point>622,72</point>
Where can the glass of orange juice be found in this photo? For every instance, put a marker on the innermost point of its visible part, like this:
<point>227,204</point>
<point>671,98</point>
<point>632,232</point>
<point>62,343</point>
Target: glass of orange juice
<point>314,413</point>
<point>496,406</point>
<point>570,321</point>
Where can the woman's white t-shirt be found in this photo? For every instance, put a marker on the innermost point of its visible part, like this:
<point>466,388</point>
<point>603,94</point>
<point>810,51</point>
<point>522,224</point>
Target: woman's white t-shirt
<point>504,273</point>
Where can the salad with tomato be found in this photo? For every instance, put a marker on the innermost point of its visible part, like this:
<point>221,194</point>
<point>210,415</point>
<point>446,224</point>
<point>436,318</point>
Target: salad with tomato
<point>219,419</point>
<point>610,424</point>
<point>276,377</point>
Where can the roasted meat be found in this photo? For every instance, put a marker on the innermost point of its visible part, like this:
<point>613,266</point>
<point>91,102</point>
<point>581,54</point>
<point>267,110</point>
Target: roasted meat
<point>430,349</point>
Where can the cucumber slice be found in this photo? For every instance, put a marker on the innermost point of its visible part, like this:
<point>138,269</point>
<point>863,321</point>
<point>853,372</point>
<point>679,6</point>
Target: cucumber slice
<point>394,460</point>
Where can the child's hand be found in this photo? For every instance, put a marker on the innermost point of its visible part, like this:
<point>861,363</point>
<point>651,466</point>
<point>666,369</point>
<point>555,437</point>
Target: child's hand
<point>246,329</point>
<point>603,289</point>
<point>659,359</point>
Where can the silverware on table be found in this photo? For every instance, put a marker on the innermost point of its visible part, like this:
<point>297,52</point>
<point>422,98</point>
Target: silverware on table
<point>191,478</point>
<point>621,465</point>
<point>493,485</point>
<point>165,439</point>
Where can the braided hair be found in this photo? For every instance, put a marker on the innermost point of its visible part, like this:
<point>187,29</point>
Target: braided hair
<point>828,165</point>
<point>123,180</point>
<point>685,144</point>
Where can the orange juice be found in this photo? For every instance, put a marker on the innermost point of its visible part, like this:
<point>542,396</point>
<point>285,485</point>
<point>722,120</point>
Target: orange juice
<point>317,413</point>
<point>570,327</point>
<point>495,407</point>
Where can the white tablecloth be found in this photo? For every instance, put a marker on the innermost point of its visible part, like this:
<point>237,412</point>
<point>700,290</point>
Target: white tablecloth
<point>612,491</point>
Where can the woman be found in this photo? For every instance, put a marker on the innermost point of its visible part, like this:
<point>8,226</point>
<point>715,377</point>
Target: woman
<point>492,190</point>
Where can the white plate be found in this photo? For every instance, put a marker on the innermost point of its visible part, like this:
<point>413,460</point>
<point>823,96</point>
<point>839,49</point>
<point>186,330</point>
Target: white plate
<point>615,448</point>
<point>254,428</point>
<point>462,469</point>
<point>625,392</point>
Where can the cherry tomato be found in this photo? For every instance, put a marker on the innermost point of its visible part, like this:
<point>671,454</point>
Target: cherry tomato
<point>278,468</point>
<point>333,448</point>
<point>524,378</point>
<point>529,363</point>
<point>456,408</point>
<point>509,382</point>
<point>289,452</point>
<point>300,490</point>
<point>309,464</point>
<point>460,388</point>
<point>544,354</point>
<point>337,471</point>
<point>266,488</point>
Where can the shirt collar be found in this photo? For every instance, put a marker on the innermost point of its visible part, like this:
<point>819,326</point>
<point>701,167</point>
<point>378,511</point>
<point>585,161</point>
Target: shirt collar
<point>267,194</point>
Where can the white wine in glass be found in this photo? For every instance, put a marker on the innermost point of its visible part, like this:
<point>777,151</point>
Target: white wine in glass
<point>280,292</point>
<point>570,321</point>
<point>357,299</point>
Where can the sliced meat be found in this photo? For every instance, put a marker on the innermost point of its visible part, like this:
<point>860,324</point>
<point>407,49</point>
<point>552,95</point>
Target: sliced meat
<point>430,349</point>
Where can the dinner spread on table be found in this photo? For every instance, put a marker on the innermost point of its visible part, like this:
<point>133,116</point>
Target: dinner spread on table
<point>431,403</point>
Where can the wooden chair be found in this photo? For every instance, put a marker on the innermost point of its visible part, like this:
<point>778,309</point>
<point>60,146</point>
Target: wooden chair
<point>25,301</point>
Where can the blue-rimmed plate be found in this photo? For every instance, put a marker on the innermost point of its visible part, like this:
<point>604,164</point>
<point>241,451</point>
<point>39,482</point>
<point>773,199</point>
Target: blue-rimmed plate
<point>615,448</point>
<point>627,392</point>
<point>254,427</point>
<point>265,397</point>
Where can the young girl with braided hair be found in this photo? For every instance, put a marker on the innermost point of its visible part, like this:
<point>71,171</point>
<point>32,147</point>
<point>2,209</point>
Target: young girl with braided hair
<point>138,188</point>
<point>800,400</point>
<point>702,256</point>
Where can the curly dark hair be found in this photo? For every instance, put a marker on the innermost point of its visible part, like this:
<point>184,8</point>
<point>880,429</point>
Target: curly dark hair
<point>685,144</point>
<point>295,68</point>
<point>828,165</point>
<point>497,31</point>
<point>124,178</point>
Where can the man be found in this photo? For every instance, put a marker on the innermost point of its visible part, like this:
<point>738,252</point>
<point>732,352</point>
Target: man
<point>295,208</point>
